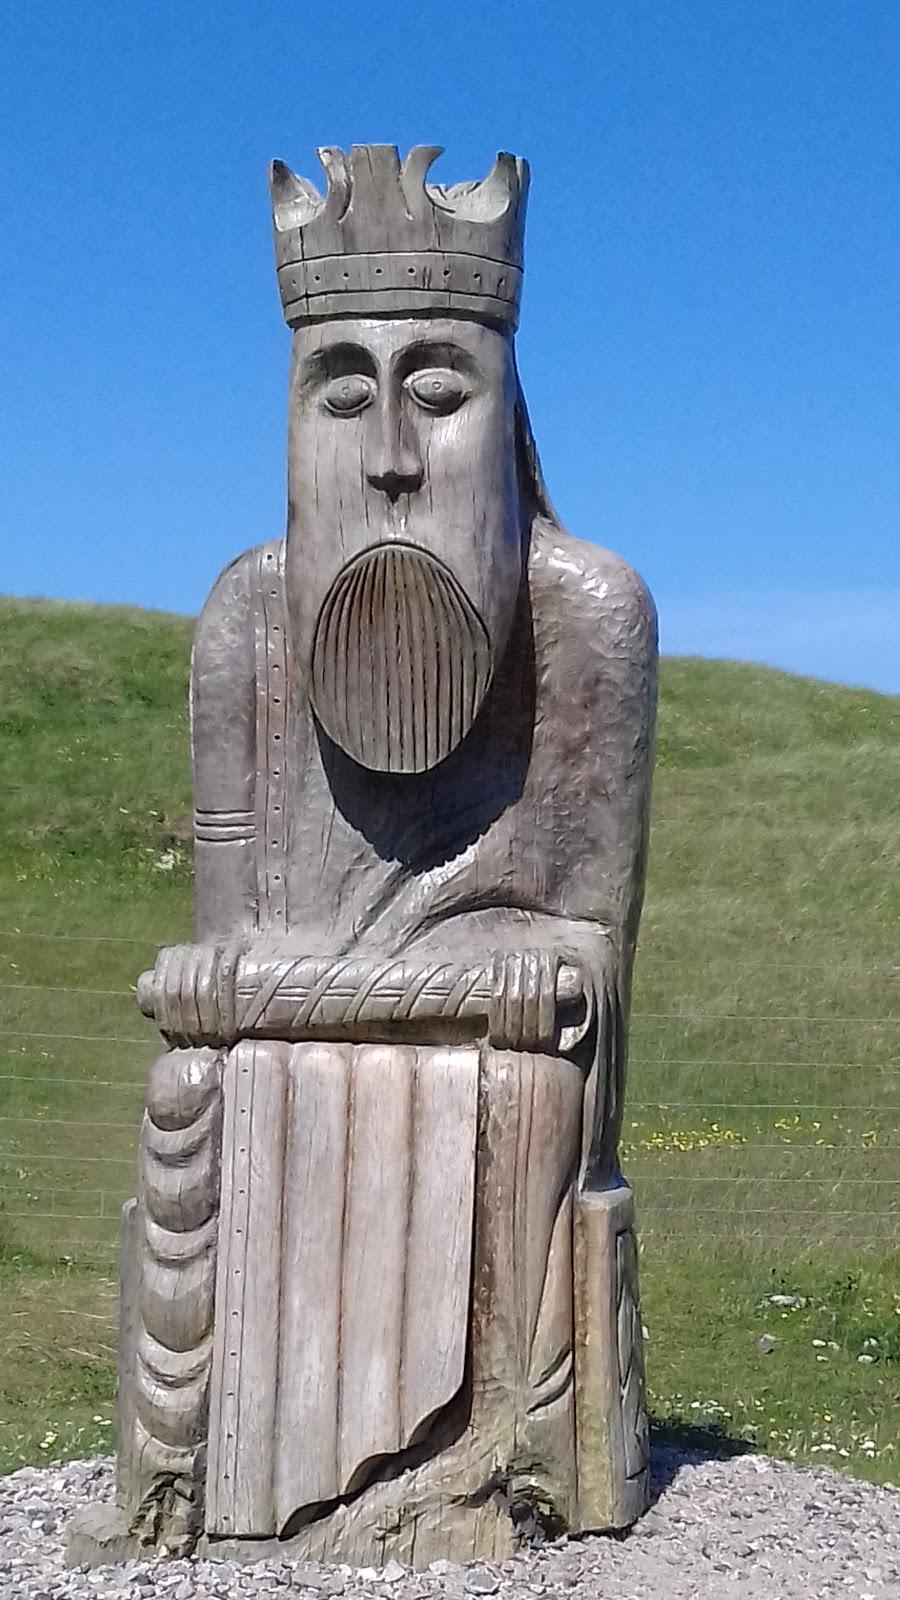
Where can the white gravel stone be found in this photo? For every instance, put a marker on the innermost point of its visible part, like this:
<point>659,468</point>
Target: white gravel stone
<point>392,1573</point>
<point>746,1527</point>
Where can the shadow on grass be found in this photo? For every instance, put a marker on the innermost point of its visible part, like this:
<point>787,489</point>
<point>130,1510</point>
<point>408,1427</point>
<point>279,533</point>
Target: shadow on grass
<point>676,1444</point>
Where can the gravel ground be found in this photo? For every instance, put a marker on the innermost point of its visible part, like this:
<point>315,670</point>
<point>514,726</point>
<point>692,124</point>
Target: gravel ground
<point>746,1527</point>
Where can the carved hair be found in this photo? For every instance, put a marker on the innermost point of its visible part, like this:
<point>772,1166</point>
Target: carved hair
<point>532,485</point>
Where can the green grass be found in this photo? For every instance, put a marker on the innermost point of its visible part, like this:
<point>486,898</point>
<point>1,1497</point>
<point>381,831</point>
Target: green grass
<point>765,1082</point>
<point>762,1123</point>
<point>809,1398</point>
<point>57,1359</point>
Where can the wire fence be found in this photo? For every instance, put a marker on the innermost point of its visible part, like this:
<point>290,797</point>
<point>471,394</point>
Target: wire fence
<point>757,1110</point>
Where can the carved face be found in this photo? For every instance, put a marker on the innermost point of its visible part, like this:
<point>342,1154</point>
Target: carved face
<point>404,529</point>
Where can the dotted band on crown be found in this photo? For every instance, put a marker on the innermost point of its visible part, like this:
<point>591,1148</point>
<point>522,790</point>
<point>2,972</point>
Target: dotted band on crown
<point>363,285</point>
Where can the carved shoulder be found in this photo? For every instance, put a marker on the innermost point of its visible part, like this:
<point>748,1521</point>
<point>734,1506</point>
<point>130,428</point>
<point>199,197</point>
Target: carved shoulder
<point>223,667</point>
<point>595,656</point>
<point>594,592</point>
<point>595,637</point>
<point>225,620</point>
<point>223,746</point>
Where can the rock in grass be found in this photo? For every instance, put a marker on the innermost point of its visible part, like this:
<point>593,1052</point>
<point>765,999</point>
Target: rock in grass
<point>393,1573</point>
<point>480,1581</point>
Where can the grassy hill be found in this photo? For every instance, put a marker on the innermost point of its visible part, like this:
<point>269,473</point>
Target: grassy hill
<point>762,1130</point>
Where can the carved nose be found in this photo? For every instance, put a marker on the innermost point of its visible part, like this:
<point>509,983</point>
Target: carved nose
<point>396,480</point>
<point>392,462</point>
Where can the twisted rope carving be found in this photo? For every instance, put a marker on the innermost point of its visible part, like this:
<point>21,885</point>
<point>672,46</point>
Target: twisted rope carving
<point>216,995</point>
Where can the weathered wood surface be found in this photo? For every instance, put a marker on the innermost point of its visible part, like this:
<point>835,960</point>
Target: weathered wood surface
<point>402,1317</point>
<point>613,1443</point>
<point>382,240</point>
<point>217,994</point>
<point>541,1434</point>
<point>243,1409</point>
<point>344,1268</point>
<point>169,1239</point>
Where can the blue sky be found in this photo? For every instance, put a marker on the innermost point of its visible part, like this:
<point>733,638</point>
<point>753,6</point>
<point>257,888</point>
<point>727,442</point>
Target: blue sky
<point>711,332</point>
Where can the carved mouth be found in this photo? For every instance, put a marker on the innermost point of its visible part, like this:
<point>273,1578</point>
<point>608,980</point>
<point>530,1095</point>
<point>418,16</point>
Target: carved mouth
<point>401,660</point>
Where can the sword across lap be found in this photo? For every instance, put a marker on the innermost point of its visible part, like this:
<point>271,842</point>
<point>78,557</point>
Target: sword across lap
<point>215,995</point>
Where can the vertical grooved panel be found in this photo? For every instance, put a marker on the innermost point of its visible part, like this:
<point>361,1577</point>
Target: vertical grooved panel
<point>343,1291</point>
<point>375,1228</point>
<point>244,1380</point>
<point>315,1167</point>
<point>442,1198</point>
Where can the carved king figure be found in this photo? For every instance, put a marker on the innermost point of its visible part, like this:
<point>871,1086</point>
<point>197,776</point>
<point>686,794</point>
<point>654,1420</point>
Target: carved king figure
<point>379,1280</point>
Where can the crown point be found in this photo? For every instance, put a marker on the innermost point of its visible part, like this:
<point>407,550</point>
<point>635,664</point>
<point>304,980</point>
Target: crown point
<point>497,191</point>
<point>420,158</point>
<point>413,172</point>
<point>282,181</point>
<point>374,175</point>
<point>294,200</point>
<point>381,238</point>
<point>336,168</point>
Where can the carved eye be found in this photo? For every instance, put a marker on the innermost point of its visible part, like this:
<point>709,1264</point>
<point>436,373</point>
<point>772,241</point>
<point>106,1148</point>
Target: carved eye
<point>345,396</point>
<point>438,389</point>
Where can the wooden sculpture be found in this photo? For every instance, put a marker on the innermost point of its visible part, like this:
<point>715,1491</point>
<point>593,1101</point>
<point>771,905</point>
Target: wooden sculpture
<point>379,1286</point>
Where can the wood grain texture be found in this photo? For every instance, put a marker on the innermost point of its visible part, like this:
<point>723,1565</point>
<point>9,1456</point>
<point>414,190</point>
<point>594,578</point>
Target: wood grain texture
<point>344,1269</point>
<point>168,1291</point>
<point>422,733</point>
<point>381,239</point>
<point>613,1453</point>
<point>308,1451</point>
<point>373,1340</point>
<point>373,1253</point>
<point>438,1251</point>
<point>502,1456</point>
<point>243,1403</point>
<point>217,994</point>
<point>630,1349</point>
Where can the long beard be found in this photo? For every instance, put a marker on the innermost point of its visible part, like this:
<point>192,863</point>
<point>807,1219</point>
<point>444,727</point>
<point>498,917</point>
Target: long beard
<point>401,660</point>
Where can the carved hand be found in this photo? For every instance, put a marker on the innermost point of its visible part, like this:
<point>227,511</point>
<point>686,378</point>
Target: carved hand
<point>189,993</point>
<point>522,1012</point>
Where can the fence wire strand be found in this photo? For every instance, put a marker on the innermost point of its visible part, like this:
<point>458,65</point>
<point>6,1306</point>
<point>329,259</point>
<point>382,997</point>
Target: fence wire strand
<point>743,1137</point>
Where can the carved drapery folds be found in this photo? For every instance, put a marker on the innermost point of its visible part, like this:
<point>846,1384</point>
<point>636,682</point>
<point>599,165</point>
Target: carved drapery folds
<point>368,1340</point>
<point>174,1229</point>
<point>380,1280</point>
<point>429,1314</point>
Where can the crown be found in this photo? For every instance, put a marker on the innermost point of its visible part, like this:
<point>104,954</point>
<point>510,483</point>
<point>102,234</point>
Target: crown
<point>383,241</point>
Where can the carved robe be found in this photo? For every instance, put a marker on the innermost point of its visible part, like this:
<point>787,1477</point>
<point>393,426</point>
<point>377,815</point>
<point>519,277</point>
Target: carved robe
<point>398,1223</point>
